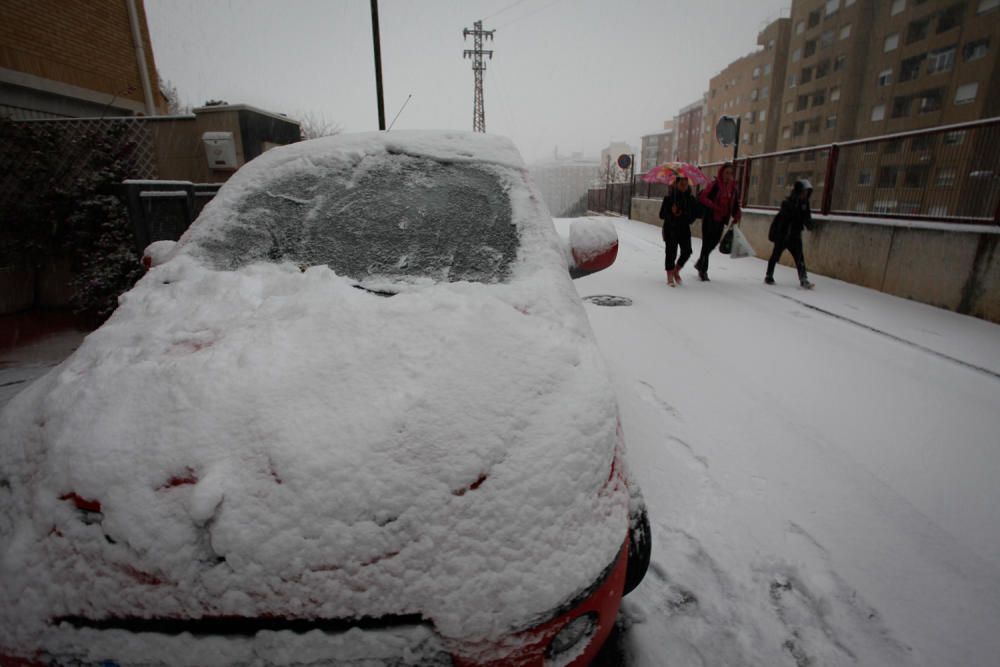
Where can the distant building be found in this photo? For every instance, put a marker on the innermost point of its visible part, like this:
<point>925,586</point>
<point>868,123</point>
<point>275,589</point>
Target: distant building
<point>75,59</point>
<point>688,132</point>
<point>564,183</point>
<point>749,89</point>
<point>657,148</point>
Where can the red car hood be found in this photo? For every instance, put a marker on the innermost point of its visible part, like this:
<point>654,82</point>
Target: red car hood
<point>272,442</point>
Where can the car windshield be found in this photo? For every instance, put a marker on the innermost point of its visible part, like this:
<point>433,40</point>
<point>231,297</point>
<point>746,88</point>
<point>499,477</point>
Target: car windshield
<point>398,219</point>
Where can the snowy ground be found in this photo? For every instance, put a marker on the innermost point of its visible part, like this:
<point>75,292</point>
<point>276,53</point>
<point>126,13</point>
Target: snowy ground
<point>822,468</point>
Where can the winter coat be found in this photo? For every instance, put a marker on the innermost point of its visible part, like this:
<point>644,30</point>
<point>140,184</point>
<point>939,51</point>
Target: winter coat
<point>721,200</point>
<point>687,209</point>
<point>793,217</point>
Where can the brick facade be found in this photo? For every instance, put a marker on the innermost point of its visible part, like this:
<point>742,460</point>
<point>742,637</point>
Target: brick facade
<point>82,43</point>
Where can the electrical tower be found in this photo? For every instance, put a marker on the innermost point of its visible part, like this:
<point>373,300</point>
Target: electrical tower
<point>478,67</point>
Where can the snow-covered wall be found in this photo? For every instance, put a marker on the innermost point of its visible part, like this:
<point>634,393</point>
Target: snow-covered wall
<point>946,265</point>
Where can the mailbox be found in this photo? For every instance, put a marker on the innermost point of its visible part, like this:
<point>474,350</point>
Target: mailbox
<point>220,149</point>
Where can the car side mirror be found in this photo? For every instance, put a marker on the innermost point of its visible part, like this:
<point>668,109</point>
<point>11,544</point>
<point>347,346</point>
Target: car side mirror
<point>593,246</point>
<point>157,253</point>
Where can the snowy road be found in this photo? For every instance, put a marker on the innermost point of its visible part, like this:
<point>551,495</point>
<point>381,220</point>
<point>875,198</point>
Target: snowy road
<point>821,468</point>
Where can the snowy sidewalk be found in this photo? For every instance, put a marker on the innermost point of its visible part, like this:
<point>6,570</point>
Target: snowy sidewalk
<point>821,467</point>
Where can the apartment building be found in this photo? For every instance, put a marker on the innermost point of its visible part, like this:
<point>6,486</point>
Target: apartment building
<point>864,68</point>
<point>750,89</point>
<point>72,59</point>
<point>688,140</point>
<point>657,148</point>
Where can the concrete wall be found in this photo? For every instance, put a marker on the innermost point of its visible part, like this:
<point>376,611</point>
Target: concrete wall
<point>950,266</point>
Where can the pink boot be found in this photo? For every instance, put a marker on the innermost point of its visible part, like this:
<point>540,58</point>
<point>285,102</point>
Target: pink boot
<point>677,276</point>
<point>670,279</point>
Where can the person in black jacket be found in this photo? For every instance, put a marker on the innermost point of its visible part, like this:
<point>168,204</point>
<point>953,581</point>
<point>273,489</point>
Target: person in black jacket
<point>678,210</point>
<point>786,231</point>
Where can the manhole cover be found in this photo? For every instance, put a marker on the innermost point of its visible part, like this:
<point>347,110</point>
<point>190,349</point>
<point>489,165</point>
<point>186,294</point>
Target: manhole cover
<point>608,300</point>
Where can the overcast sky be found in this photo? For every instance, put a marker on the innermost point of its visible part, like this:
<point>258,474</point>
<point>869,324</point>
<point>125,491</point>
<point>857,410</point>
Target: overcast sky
<point>576,74</point>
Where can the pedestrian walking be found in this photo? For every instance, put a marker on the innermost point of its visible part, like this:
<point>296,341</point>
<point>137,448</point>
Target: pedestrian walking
<point>678,210</point>
<point>786,231</point>
<point>721,203</point>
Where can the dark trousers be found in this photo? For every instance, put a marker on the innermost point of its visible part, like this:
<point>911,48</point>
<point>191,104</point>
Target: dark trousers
<point>792,244</point>
<point>676,236</point>
<point>711,234</point>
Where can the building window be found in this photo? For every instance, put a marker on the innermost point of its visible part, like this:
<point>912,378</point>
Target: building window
<point>756,73</point>
<point>897,7</point>
<point>976,50</point>
<point>786,132</point>
<point>891,42</point>
<point>945,177</point>
<point>845,32</point>
<point>781,179</point>
<point>810,48</point>
<point>831,122</point>
<point>884,205</point>
<point>806,76</point>
<point>910,68</point>
<point>885,77</point>
<point>834,94</point>
<point>950,17</point>
<point>814,125</point>
<point>941,60</point>
<point>800,27</point>
<point>966,93</point>
<point>803,103</point>
<point>819,98</point>
<point>748,116</point>
<point>789,107</point>
<point>814,18</point>
<point>887,177</point>
<point>832,6</point>
<point>893,146</point>
<point>939,211</point>
<point>764,92</point>
<point>822,69</point>
<point>839,63</point>
<point>796,55</point>
<point>799,128</point>
<point>826,40</point>
<point>916,176</point>
<point>767,69</point>
<point>918,30</point>
<point>770,45</point>
<point>987,6</point>
<point>878,112</point>
<point>754,94</point>
<point>901,107</point>
<point>865,177</point>
<point>762,115</point>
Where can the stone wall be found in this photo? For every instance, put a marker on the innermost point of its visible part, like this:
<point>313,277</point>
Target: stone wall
<point>950,266</point>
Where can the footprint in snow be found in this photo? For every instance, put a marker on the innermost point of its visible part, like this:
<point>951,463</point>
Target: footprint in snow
<point>648,393</point>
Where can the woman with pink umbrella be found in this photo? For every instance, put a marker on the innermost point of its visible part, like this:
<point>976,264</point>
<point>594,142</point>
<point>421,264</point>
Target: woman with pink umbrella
<point>679,209</point>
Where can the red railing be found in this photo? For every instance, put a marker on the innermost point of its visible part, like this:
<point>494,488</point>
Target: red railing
<point>943,174</point>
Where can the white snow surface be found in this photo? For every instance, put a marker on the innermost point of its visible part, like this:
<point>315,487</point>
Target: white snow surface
<point>274,441</point>
<point>821,467</point>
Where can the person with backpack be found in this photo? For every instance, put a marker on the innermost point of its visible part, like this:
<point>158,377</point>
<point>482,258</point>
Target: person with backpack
<point>678,210</point>
<point>786,231</point>
<point>721,201</point>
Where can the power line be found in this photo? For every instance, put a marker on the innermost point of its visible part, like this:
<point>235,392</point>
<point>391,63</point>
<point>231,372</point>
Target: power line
<point>531,13</point>
<point>501,11</point>
<point>478,67</point>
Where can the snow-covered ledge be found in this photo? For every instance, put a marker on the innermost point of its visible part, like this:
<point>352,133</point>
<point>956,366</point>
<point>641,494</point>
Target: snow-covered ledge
<point>951,266</point>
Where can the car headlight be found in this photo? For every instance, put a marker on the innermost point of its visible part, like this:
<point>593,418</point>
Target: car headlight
<point>572,638</point>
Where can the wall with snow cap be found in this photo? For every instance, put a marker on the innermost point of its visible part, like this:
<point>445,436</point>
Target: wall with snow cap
<point>942,264</point>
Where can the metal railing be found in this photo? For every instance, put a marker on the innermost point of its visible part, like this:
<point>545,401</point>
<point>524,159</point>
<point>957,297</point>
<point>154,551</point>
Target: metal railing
<point>943,174</point>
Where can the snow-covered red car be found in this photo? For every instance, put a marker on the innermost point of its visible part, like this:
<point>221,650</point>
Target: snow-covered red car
<point>356,415</point>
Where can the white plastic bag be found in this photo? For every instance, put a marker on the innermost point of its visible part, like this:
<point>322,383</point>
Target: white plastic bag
<point>741,247</point>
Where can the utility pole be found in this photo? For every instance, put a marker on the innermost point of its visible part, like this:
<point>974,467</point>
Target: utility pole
<point>378,66</point>
<point>478,67</point>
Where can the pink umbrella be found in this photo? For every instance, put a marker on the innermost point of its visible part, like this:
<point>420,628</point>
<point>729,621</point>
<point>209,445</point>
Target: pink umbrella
<point>667,173</point>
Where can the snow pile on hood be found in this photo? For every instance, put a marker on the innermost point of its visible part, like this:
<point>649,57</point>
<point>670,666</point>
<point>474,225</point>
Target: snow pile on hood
<point>271,440</point>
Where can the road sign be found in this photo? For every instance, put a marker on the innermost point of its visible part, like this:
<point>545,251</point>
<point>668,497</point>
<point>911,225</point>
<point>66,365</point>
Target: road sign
<point>726,130</point>
<point>624,161</point>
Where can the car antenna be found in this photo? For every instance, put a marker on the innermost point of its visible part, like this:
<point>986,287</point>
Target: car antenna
<point>400,111</point>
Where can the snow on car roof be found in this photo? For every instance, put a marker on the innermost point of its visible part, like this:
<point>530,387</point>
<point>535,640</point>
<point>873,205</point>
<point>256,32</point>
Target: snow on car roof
<point>268,440</point>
